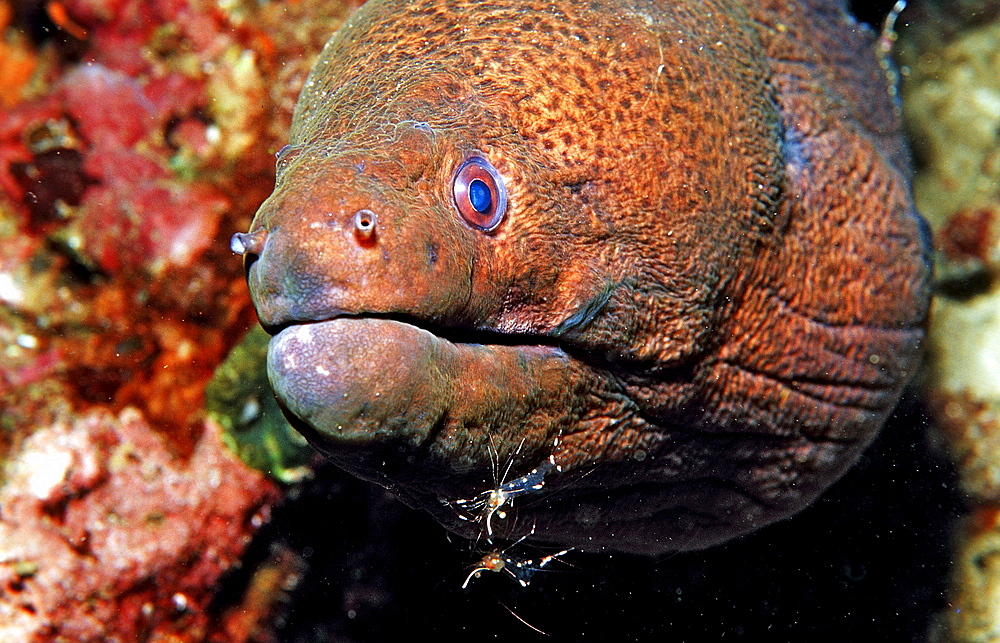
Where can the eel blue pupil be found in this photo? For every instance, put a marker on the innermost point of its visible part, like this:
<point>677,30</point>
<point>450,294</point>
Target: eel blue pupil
<point>479,196</point>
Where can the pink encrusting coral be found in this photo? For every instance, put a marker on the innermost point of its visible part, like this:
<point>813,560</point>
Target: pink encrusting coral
<point>96,160</point>
<point>135,216</point>
<point>114,190</point>
<point>105,535</point>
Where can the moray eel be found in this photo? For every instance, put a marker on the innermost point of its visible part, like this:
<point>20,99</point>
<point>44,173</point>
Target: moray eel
<point>628,275</point>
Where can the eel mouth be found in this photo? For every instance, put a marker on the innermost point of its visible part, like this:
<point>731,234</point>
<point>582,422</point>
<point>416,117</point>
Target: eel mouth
<point>454,334</point>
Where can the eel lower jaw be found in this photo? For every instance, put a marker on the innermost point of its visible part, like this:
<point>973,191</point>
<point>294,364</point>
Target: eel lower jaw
<point>346,377</point>
<point>365,382</point>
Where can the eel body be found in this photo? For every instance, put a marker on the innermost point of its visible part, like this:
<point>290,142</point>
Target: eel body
<point>630,275</point>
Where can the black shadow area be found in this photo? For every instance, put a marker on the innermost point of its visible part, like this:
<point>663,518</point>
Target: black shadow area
<point>868,561</point>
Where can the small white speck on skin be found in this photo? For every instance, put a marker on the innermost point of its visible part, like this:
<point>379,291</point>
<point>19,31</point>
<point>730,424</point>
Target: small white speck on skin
<point>322,370</point>
<point>47,470</point>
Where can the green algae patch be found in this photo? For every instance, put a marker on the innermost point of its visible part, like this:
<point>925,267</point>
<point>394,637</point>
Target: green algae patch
<point>239,398</point>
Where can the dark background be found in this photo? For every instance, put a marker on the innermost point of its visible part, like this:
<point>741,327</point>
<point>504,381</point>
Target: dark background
<point>868,561</point>
<point>873,11</point>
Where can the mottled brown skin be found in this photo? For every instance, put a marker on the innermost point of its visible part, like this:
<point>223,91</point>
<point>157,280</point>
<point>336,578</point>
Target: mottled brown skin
<point>705,297</point>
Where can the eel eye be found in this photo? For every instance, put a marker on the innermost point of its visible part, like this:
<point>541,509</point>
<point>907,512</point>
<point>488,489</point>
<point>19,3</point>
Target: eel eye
<point>479,194</point>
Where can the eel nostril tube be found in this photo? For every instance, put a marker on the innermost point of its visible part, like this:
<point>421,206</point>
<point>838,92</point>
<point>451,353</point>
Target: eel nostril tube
<point>243,243</point>
<point>364,224</point>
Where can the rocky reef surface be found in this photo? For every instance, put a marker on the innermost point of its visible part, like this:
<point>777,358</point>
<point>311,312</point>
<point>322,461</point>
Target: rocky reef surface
<point>950,64</point>
<point>135,136</point>
<point>106,535</point>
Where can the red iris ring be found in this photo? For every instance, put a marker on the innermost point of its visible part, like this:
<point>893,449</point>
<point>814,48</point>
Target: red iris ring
<point>477,168</point>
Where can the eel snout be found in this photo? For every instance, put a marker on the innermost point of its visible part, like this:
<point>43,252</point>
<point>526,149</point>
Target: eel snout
<point>334,240</point>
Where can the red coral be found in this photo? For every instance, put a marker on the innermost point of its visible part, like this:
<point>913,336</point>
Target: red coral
<point>969,235</point>
<point>108,106</point>
<point>132,213</point>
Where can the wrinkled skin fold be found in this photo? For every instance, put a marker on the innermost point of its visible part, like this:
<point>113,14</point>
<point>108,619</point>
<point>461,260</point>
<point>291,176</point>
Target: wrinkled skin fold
<point>703,299</point>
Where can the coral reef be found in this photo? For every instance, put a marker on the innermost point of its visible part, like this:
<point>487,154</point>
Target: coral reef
<point>106,536</point>
<point>135,137</point>
<point>951,94</point>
